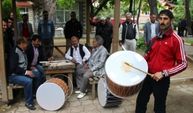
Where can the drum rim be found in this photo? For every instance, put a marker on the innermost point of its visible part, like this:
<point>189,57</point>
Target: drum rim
<point>102,81</point>
<point>122,97</point>
<point>142,77</point>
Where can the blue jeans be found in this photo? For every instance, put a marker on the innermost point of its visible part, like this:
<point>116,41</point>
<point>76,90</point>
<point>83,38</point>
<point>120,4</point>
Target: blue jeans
<point>25,81</point>
<point>39,77</point>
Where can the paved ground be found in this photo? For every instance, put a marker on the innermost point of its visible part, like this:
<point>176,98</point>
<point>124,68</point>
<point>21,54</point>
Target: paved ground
<point>180,100</point>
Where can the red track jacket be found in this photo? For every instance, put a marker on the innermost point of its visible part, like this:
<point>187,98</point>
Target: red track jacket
<point>167,54</point>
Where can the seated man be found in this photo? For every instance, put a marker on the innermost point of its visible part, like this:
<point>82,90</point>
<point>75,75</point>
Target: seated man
<point>18,73</point>
<point>78,54</point>
<point>34,55</point>
<point>95,65</point>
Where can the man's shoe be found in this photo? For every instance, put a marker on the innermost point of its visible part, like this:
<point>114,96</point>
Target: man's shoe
<point>30,106</point>
<point>81,95</point>
<point>78,92</point>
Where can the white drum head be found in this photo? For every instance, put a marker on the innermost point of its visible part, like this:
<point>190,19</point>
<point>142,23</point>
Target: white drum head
<point>114,67</point>
<point>102,92</point>
<point>50,96</point>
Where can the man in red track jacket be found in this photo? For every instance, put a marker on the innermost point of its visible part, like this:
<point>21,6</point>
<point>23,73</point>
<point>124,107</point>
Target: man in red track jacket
<point>165,58</point>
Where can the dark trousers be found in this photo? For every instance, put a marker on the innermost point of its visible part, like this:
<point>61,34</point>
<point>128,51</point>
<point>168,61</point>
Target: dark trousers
<point>159,90</point>
<point>48,47</point>
<point>107,44</point>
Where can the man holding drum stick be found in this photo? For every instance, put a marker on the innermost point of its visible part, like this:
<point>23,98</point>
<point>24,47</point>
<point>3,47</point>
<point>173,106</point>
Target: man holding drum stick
<point>165,58</point>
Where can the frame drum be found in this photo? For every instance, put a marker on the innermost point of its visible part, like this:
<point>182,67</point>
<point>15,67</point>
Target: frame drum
<point>106,99</point>
<point>52,94</point>
<point>123,80</point>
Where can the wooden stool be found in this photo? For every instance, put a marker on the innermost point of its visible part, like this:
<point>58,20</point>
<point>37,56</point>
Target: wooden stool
<point>10,88</point>
<point>93,81</point>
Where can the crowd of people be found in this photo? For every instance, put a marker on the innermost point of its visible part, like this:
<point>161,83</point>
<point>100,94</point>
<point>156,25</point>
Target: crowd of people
<point>165,54</point>
<point>24,52</point>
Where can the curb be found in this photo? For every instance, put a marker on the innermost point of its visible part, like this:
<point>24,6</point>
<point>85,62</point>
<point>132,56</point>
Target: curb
<point>185,79</point>
<point>182,80</point>
<point>190,59</point>
<point>188,44</point>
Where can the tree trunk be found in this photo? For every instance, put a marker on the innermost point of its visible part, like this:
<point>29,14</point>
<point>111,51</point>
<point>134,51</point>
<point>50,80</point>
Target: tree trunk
<point>130,6</point>
<point>187,15</point>
<point>139,11</point>
<point>153,6</point>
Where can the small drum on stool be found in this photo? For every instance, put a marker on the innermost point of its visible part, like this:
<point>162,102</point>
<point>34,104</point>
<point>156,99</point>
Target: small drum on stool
<point>106,99</point>
<point>52,94</point>
<point>123,76</point>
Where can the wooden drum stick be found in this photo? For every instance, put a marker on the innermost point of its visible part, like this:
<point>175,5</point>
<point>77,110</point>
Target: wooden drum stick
<point>138,69</point>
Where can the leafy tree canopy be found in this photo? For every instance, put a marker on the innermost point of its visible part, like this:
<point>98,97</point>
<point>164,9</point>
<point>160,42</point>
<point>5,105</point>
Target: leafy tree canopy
<point>7,9</point>
<point>67,4</point>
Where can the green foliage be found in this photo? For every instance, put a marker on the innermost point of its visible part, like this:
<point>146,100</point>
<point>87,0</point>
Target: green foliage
<point>145,6</point>
<point>65,4</point>
<point>188,40</point>
<point>179,12</point>
<point>108,10</point>
<point>7,8</point>
<point>141,44</point>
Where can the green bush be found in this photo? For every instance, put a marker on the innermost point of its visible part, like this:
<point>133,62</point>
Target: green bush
<point>141,44</point>
<point>188,40</point>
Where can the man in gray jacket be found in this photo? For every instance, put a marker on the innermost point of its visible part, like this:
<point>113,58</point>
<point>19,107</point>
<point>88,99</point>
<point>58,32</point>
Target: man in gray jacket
<point>95,66</point>
<point>19,74</point>
<point>151,29</point>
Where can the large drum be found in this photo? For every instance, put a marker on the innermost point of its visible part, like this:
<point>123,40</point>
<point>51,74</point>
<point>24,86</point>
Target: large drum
<point>123,80</point>
<point>52,94</point>
<point>106,99</point>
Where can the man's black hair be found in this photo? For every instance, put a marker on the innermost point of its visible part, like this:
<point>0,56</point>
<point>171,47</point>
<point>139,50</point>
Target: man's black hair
<point>35,37</point>
<point>45,11</point>
<point>167,12</point>
<point>24,15</point>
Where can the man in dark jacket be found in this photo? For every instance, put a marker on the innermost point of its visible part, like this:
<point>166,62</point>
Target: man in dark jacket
<point>72,28</point>
<point>129,33</point>
<point>34,55</point>
<point>105,29</point>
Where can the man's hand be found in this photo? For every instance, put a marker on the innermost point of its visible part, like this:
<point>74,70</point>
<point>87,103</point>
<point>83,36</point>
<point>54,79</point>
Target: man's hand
<point>33,67</point>
<point>73,60</point>
<point>85,66</point>
<point>158,76</point>
<point>51,58</point>
<point>83,63</point>
<point>29,73</point>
